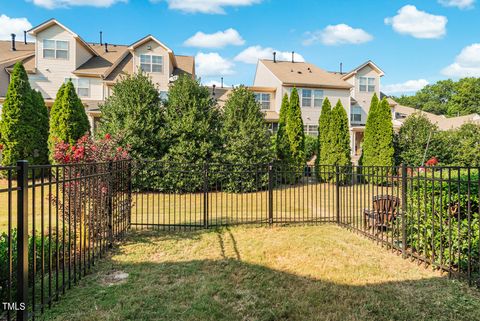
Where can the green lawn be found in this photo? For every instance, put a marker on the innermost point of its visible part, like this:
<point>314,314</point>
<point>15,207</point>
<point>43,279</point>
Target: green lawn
<point>281,273</point>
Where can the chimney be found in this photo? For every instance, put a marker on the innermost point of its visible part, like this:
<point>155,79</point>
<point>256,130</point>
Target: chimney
<point>213,89</point>
<point>274,56</point>
<point>341,68</point>
<point>101,38</point>
<point>24,37</point>
<point>13,42</point>
<point>293,56</point>
<point>106,47</point>
<point>221,82</point>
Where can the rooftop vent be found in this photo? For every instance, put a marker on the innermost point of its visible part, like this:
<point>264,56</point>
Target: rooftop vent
<point>293,57</point>
<point>274,56</point>
<point>106,47</point>
<point>101,38</point>
<point>13,42</point>
<point>25,37</point>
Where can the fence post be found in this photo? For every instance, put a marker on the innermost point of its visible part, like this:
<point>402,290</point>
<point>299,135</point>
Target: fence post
<point>205,195</point>
<point>337,193</point>
<point>110,204</point>
<point>270,193</point>
<point>404,209</point>
<point>22,240</point>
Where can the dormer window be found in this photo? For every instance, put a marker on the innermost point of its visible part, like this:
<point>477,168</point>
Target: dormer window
<point>151,63</point>
<point>367,84</point>
<point>55,49</point>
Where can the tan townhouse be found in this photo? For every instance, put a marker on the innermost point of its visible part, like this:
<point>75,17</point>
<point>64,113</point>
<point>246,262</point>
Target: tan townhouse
<point>58,54</point>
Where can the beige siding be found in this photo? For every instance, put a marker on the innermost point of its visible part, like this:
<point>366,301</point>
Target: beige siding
<point>4,80</point>
<point>265,78</point>
<point>82,54</point>
<point>161,79</point>
<point>364,98</point>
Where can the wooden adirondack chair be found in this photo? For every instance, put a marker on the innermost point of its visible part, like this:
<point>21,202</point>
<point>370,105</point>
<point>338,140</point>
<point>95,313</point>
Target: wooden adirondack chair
<point>383,212</point>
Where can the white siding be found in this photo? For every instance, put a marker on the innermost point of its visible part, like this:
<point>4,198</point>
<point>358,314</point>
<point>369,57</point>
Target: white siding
<point>161,79</point>
<point>364,98</point>
<point>265,78</point>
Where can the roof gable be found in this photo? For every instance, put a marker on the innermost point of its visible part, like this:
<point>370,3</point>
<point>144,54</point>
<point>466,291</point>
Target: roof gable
<point>368,63</point>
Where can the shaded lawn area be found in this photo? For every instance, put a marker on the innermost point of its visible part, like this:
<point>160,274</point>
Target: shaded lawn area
<point>281,273</point>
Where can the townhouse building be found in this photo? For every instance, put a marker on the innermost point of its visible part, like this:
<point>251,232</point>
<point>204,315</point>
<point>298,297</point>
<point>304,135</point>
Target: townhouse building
<point>58,54</point>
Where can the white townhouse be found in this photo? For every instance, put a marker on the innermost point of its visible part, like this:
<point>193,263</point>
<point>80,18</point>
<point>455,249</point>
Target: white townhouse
<point>354,89</point>
<point>58,54</point>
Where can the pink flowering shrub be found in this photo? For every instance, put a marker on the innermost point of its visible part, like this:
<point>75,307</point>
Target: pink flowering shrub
<point>94,172</point>
<point>432,162</point>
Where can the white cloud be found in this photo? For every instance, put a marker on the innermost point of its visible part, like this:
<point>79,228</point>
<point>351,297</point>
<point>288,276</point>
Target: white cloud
<point>338,35</point>
<point>53,4</point>
<point>253,53</point>
<point>466,64</point>
<point>13,25</point>
<point>218,39</point>
<point>409,86</point>
<point>206,6</point>
<point>419,24</point>
<point>212,64</point>
<point>461,4</point>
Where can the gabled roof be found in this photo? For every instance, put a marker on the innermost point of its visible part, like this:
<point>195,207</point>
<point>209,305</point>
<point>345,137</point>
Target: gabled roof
<point>148,38</point>
<point>304,74</point>
<point>105,61</point>
<point>47,24</point>
<point>368,63</point>
<point>22,51</point>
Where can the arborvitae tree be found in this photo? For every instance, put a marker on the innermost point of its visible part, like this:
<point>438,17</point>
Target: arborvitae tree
<point>324,132</point>
<point>246,141</point>
<point>340,153</point>
<point>42,128</point>
<point>296,135</point>
<point>18,114</point>
<point>282,141</point>
<point>68,119</point>
<point>369,151</point>
<point>192,132</point>
<point>134,115</point>
<point>385,150</point>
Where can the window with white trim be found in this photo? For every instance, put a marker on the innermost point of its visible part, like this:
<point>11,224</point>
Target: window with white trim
<point>311,98</point>
<point>367,84</point>
<point>310,130</point>
<point>273,127</point>
<point>151,63</point>
<point>55,49</point>
<point>263,99</point>
<point>356,114</point>
<point>82,86</point>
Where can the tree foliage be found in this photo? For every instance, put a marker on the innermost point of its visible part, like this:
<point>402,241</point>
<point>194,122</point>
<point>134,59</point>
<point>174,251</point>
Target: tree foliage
<point>369,140</point>
<point>68,119</point>
<point>246,141</point>
<point>134,114</point>
<point>282,143</point>
<point>295,133</point>
<point>447,97</point>
<point>384,142</point>
<point>340,137</point>
<point>324,132</point>
<point>24,121</point>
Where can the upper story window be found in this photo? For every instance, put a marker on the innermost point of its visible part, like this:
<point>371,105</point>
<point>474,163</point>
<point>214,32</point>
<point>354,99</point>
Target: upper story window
<point>311,98</point>
<point>367,84</point>
<point>82,86</point>
<point>311,130</point>
<point>55,49</point>
<point>151,63</point>
<point>263,100</point>
<point>356,114</point>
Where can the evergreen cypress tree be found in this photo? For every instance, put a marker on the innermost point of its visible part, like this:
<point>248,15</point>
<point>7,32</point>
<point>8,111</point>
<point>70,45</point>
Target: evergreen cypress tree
<point>282,141</point>
<point>18,114</point>
<point>384,142</point>
<point>40,122</point>
<point>134,114</point>
<point>370,138</point>
<point>324,133</point>
<point>192,132</point>
<point>340,153</point>
<point>246,141</point>
<point>296,135</point>
<point>68,119</point>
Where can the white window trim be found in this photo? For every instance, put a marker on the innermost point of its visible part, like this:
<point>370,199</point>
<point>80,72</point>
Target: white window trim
<point>312,97</point>
<point>311,130</point>
<point>55,49</point>
<point>151,63</point>
<point>260,100</point>
<point>75,82</point>
<point>367,86</point>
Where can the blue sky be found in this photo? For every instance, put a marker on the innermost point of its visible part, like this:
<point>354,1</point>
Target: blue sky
<point>414,42</point>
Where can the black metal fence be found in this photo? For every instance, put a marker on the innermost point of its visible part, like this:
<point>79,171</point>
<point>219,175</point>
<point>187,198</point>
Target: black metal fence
<point>55,222</point>
<point>58,220</point>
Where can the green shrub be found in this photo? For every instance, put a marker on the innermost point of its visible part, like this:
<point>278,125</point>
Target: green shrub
<point>311,146</point>
<point>432,206</point>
